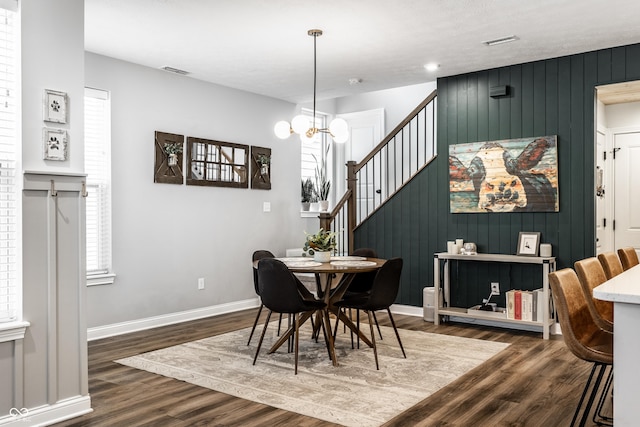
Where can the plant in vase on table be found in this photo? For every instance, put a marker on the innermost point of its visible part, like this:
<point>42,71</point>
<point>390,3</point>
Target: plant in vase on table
<point>320,245</point>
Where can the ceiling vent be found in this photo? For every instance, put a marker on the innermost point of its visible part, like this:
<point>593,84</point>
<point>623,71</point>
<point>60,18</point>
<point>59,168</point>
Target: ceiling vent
<point>502,40</point>
<point>174,70</point>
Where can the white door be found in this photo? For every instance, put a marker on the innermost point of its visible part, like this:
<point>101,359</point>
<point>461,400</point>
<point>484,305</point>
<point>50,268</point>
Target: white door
<point>366,130</point>
<point>626,147</point>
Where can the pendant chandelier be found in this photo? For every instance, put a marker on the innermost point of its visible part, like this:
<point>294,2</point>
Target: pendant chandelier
<point>305,126</point>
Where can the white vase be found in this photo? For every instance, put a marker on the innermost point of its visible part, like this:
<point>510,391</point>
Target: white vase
<point>173,159</point>
<point>324,205</point>
<point>319,256</point>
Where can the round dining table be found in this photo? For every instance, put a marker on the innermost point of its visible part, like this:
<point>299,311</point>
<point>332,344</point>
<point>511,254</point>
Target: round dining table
<point>332,281</point>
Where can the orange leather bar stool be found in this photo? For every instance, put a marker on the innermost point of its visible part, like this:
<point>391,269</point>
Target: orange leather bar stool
<point>582,335</point>
<point>628,257</point>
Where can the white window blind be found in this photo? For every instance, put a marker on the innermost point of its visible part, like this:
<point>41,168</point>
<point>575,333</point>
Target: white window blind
<point>97,166</point>
<point>8,151</point>
<point>309,149</point>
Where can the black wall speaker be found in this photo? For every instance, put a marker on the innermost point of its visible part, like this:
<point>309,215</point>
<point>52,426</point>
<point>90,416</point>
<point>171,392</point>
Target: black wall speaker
<point>498,91</point>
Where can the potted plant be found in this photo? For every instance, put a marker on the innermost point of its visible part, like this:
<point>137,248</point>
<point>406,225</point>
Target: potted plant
<point>322,185</point>
<point>306,193</point>
<point>172,150</point>
<point>263,161</point>
<point>320,245</point>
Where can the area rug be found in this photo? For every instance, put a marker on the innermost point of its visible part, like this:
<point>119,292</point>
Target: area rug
<point>352,394</point>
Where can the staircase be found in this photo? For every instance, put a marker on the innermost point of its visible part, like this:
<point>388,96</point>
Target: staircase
<point>404,152</point>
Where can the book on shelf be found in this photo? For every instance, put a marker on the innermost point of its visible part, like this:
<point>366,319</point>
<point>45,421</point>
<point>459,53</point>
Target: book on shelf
<point>525,305</point>
<point>539,305</point>
<point>510,303</point>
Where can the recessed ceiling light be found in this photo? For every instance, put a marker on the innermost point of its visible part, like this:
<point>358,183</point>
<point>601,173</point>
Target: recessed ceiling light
<point>502,40</point>
<point>432,66</point>
<point>174,70</point>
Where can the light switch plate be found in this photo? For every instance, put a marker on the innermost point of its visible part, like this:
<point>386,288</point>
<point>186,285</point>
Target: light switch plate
<point>266,207</point>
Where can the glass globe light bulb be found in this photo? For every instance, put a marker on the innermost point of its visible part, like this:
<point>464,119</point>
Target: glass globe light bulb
<point>305,138</point>
<point>300,124</point>
<point>339,129</point>
<point>341,139</point>
<point>282,129</point>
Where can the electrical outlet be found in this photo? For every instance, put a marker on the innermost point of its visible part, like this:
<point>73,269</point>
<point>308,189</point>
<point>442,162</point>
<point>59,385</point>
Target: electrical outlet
<point>201,283</point>
<point>495,288</point>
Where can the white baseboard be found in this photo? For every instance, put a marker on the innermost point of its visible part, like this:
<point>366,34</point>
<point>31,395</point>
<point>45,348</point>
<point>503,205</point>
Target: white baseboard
<point>49,414</point>
<point>106,331</point>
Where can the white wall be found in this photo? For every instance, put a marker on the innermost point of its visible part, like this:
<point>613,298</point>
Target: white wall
<point>52,62</point>
<point>166,236</point>
<point>397,102</point>
<point>622,115</point>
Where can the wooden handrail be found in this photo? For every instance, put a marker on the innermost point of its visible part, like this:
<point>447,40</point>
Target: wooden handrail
<point>326,217</point>
<point>396,130</point>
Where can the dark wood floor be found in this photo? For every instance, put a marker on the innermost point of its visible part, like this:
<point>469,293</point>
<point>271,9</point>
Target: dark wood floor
<point>533,383</point>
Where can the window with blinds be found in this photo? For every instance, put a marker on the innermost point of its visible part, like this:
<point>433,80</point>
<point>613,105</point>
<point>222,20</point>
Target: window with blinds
<point>312,150</point>
<point>97,166</point>
<point>9,144</point>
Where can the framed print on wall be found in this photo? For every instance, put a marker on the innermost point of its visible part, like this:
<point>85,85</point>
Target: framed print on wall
<point>55,106</point>
<point>261,168</point>
<point>516,175</point>
<point>168,155</point>
<point>528,243</point>
<point>55,144</point>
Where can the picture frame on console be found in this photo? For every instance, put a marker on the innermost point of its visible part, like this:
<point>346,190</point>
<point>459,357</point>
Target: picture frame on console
<point>528,243</point>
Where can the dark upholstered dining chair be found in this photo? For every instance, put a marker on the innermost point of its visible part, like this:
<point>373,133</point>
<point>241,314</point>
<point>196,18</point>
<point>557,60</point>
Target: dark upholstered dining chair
<point>591,274</point>
<point>362,282</point>
<point>584,338</point>
<point>610,264</point>
<point>383,293</point>
<point>360,285</point>
<point>257,256</point>
<point>280,293</point>
<point>628,257</point>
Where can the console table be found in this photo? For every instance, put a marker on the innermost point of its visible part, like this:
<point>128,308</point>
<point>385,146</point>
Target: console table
<point>443,308</point>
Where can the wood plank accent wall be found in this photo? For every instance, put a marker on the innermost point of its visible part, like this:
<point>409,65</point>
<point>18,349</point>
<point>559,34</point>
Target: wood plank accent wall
<point>550,97</point>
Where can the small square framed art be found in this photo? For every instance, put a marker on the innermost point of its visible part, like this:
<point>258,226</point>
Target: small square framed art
<point>55,144</point>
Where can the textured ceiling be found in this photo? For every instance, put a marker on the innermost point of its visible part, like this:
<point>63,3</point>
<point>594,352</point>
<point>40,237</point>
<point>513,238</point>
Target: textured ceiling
<point>262,46</point>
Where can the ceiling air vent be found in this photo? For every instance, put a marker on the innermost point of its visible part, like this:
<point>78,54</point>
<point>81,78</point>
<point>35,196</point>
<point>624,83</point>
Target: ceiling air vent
<point>502,40</point>
<point>174,70</point>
